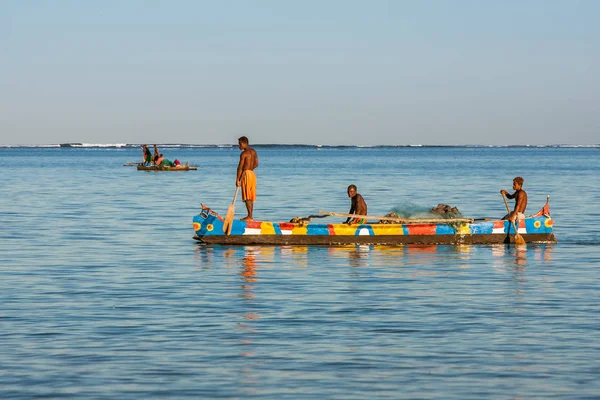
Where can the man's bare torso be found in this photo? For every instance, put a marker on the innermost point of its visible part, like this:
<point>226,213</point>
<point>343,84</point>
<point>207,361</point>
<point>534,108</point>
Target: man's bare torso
<point>248,159</point>
<point>520,201</point>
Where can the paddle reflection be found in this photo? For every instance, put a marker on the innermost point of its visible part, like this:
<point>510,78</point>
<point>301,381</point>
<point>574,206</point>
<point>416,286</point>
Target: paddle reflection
<point>519,256</point>
<point>510,256</point>
<point>247,257</point>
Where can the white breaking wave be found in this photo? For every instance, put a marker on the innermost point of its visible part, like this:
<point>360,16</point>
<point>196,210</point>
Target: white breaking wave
<point>98,144</point>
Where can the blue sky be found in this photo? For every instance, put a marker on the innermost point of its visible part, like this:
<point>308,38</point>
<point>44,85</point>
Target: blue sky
<point>315,72</point>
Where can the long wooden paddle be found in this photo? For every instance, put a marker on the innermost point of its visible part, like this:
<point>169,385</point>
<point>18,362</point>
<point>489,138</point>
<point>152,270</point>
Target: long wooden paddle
<point>230,212</point>
<point>518,238</point>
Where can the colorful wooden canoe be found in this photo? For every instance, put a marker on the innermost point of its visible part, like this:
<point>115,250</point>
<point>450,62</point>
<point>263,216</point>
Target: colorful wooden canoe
<point>155,168</point>
<point>537,228</point>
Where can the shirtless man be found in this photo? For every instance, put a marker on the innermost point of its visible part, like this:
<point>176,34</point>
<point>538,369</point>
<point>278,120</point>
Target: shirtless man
<point>521,200</point>
<point>161,161</point>
<point>156,155</point>
<point>357,206</point>
<point>245,175</point>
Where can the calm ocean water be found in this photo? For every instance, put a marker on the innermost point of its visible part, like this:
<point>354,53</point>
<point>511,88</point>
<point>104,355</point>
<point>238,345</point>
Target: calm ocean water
<point>105,295</point>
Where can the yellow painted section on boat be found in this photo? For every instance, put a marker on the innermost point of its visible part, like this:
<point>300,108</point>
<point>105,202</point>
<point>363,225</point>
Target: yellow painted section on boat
<point>464,229</point>
<point>388,229</point>
<point>299,230</point>
<point>266,228</point>
<point>343,229</point>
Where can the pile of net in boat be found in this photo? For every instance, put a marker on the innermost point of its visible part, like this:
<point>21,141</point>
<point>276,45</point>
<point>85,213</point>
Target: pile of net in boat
<point>442,211</point>
<point>446,210</point>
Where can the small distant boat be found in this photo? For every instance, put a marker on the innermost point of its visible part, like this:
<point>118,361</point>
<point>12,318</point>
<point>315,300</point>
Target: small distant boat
<point>183,167</point>
<point>537,228</point>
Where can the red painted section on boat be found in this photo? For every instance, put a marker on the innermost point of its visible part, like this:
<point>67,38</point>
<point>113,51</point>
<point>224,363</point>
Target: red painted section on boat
<point>253,224</point>
<point>421,229</point>
<point>286,226</point>
<point>330,229</point>
<point>498,224</point>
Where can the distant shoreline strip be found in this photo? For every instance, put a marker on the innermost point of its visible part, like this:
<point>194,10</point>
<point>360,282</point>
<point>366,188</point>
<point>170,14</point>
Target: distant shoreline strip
<point>284,146</point>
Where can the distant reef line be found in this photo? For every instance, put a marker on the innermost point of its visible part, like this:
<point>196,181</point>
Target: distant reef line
<point>78,145</point>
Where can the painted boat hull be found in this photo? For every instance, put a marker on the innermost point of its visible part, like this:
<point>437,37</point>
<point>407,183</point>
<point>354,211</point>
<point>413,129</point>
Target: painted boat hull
<point>154,168</point>
<point>208,228</point>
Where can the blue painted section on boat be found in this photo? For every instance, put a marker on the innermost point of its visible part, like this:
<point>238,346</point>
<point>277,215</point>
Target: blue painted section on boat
<point>482,228</point>
<point>508,228</point>
<point>530,225</point>
<point>443,229</point>
<point>317,229</point>
<point>237,228</point>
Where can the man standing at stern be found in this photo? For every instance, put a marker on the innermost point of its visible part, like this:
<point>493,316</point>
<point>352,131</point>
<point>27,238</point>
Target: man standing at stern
<point>245,175</point>
<point>520,203</point>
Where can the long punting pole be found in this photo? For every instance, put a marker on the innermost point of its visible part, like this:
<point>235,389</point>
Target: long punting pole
<point>399,220</point>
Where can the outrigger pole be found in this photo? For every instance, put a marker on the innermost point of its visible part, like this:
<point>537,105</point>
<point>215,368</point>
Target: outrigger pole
<point>399,220</point>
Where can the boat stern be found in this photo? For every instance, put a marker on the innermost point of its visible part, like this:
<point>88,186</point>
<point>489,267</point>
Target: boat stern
<point>207,222</point>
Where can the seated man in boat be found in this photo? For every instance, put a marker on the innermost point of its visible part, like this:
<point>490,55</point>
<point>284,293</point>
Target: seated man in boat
<point>163,162</point>
<point>358,206</point>
<point>520,203</point>
<point>178,164</point>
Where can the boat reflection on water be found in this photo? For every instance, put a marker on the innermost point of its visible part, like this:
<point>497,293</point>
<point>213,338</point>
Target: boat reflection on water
<point>248,262</point>
<point>253,259</point>
<point>519,256</point>
<point>287,273</point>
<point>357,256</point>
<point>297,254</point>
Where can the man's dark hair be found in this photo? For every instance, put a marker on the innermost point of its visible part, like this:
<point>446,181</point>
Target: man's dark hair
<point>352,187</point>
<point>243,139</point>
<point>519,180</point>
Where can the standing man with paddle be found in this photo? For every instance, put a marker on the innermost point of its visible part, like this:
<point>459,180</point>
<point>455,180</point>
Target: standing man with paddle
<point>147,156</point>
<point>245,178</point>
<point>520,203</point>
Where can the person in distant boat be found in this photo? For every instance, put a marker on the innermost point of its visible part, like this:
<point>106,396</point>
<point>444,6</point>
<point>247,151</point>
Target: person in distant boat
<point>163,162</point>
<point>245,176</point>
<point>147,156</point>
<point>157,155</point>
<point>358,206</point>
<point>520,203</point>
